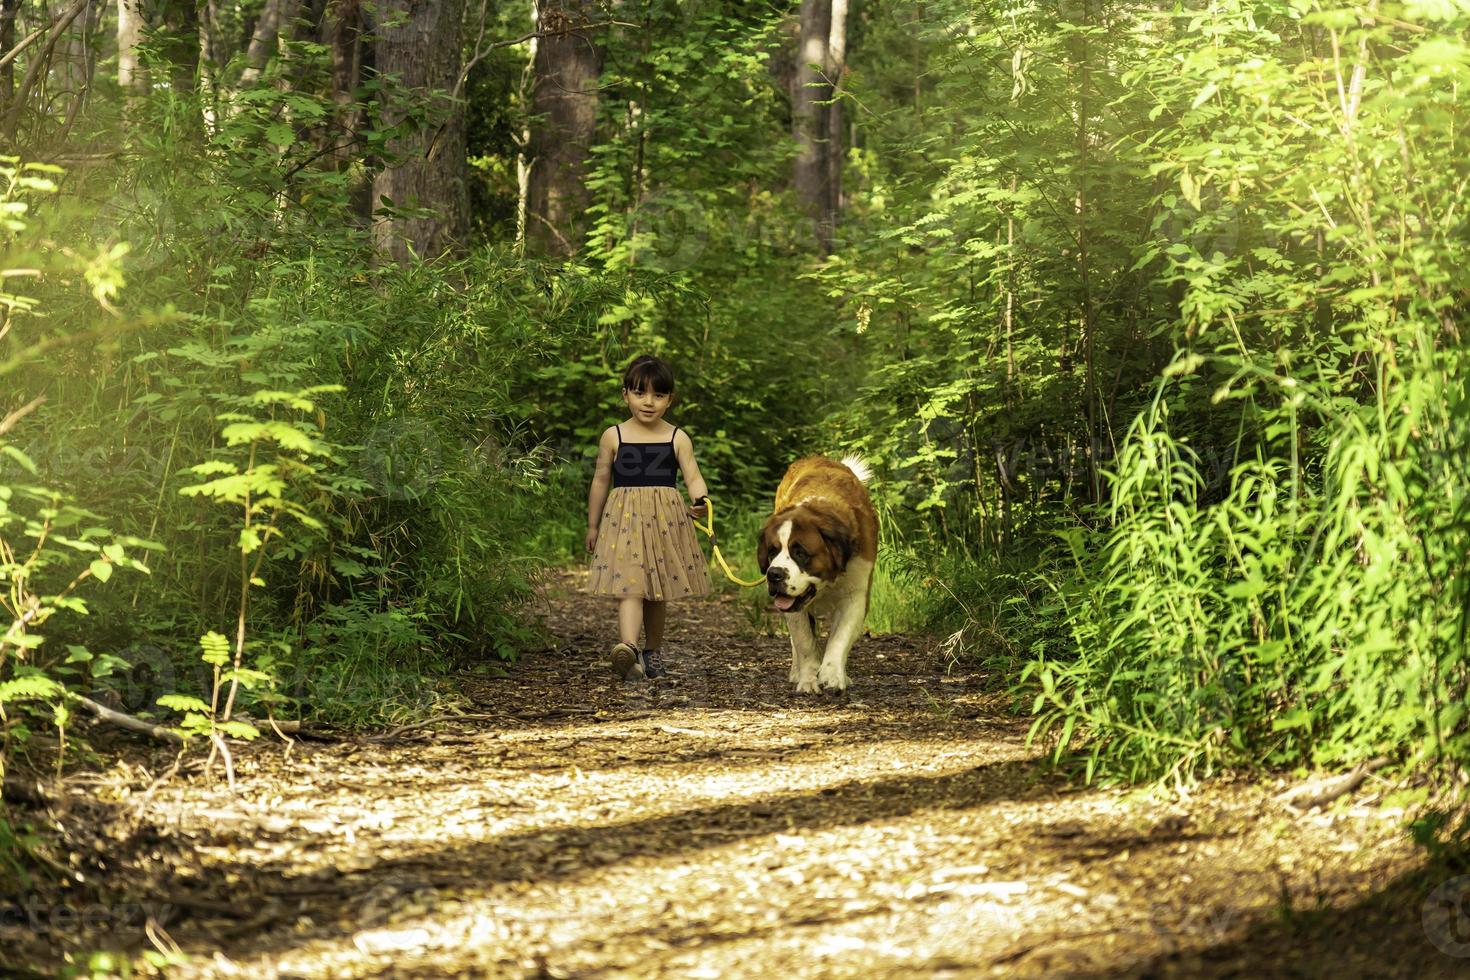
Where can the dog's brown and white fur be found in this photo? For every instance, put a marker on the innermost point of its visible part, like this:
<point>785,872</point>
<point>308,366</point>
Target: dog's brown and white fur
<point>817,551</point>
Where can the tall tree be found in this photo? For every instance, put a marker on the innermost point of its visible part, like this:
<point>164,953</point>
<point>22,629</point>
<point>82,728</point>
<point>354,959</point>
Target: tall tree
<point>1082,55</point>
<point>833,151</point>
<point>214,46</point>
<point>816,122</point>
<point>263,39</point>
<point>564,101</point>
<point>341,32</point>
<point>418,45</point>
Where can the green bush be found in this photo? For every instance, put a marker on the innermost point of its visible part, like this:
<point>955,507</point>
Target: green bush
<point>1310,609</point>
<point>331,456</point>
<point>1254,559</point>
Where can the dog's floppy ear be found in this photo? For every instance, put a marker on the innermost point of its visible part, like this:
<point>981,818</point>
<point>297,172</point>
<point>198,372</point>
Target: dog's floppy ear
<point>763,550</point>
<point>839,542</point>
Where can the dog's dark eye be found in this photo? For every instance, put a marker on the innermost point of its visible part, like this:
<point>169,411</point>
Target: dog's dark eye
<point>798,552</point>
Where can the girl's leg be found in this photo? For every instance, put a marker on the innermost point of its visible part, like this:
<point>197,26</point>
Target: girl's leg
<point>630,620</point>
<point>653,622</point>
<point>653,631</point>
<point>627,662</point>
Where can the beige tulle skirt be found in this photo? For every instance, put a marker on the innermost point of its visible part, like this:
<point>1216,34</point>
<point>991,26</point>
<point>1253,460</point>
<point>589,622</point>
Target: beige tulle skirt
<point>646,546</point>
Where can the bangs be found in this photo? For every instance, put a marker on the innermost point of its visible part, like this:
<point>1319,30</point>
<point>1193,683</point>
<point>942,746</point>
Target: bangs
<point>649,372</point>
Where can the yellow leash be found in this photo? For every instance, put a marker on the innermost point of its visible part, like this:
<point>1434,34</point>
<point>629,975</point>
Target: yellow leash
<point>709,529</point>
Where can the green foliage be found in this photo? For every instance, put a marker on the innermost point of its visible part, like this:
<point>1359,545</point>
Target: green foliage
<point>987,232</point>
<point>327,457</point>
<point>51,549</point>
<point>1316,612</point>
<point>1189,345</point>
<point>206,719</point>
<point>1147,317</point>
<point>1277,582</point>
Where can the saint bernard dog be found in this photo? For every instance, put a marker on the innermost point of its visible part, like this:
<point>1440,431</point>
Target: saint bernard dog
<point>817,551</point>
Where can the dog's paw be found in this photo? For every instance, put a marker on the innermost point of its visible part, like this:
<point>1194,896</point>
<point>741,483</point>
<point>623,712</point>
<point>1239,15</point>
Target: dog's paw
<point>831,676</point>
<point>807,685</point>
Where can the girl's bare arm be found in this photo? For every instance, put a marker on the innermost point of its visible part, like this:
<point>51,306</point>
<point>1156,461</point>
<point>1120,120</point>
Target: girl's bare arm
<point>684,451</point>
<point>601,482</point>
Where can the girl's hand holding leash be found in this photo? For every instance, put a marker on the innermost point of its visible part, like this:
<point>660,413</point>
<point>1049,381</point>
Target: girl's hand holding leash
<point>705,507</point>
<point>699,508</point>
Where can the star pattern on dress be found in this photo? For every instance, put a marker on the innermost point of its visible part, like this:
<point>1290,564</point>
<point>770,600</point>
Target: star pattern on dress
<point>629,560</point>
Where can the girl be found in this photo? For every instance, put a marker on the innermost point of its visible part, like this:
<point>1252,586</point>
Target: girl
<point>641,535</point>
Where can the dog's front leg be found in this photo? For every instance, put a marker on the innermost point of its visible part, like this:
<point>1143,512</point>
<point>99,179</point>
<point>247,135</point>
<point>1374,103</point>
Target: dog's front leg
<point>803,652</point>
<point>847,623</point>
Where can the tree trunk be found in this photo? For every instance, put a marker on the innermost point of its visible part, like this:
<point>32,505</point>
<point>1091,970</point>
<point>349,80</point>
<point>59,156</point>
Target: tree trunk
<point>836,67</point>
<point>781,58</point>
<point>1087,319</point>
<point>342,29</point>
<point>809,118</point>
<point>564,99</point>
<point>263,40</point>
<point>130,75</point>
<point>214,54</point>
<point>342,35</point>
<point>523,140</point>
<point>214,45</point>
<point>427,169</point>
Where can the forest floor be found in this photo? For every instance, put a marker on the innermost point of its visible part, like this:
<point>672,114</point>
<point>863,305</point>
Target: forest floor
<point>716,824</point>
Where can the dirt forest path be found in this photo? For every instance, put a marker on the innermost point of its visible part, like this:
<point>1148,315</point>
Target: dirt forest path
<point>715,824</point>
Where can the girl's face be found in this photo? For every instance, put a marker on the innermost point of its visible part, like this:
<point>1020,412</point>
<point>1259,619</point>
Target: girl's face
<point>646,405</point>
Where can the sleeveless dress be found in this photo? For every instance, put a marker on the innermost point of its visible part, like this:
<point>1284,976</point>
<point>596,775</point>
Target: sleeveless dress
<point>645,543</point>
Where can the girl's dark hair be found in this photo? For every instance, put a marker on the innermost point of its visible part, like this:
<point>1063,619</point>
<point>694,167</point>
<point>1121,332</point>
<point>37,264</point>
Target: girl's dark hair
<point>648,371</point>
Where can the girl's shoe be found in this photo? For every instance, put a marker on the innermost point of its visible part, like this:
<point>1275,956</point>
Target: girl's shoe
<point>653,664</point>
<point>625,662</point>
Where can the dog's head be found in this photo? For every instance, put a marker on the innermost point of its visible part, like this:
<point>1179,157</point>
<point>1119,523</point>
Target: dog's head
<point>802,550</point>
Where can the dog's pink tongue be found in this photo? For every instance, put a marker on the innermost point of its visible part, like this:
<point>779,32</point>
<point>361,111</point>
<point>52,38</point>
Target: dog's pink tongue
<point>784,602</point>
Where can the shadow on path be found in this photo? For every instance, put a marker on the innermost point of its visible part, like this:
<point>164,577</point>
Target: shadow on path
<point>1385,934</point>
<point>555,853</point>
